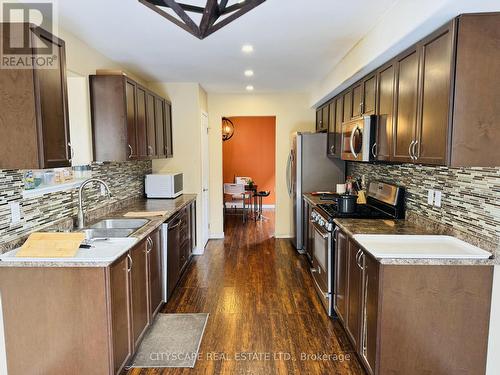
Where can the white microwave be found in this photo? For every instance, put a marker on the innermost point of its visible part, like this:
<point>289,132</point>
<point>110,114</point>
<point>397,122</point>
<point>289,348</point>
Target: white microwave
<point>164,185</point>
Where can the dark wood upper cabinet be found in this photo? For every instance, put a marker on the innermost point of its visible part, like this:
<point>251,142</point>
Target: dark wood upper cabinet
<point>168,131</point>
<point>151,125</point>
<point>476,132</point>
<point>369,95</point>
<point>322,118</point>
<point>407,68</point>
<point>128,121</point>
<point>385,111</point>
<point>34,125</point>
<point>347,101</point>
<point>357,100</point>
<point>332,133</point>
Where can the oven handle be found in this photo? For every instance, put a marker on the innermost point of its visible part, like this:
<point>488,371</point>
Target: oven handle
<point>326,295</point>
<point>356,128</point>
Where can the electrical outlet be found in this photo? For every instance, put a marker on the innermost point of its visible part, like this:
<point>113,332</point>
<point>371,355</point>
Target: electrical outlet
<point>15,212</point>
<point>430,197</point>
<point>437,198</point>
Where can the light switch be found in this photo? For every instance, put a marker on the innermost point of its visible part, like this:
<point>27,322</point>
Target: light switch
<point>15,212</point>
<point>430,197</point>
<point>437,198</point>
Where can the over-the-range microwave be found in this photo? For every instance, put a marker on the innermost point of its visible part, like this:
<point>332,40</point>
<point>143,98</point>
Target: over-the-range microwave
<point>164,185</point>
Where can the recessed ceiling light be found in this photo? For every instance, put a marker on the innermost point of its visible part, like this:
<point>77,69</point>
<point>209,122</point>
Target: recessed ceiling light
<point>247,48</point>
<point>249,73</point>
<point>250,88</point>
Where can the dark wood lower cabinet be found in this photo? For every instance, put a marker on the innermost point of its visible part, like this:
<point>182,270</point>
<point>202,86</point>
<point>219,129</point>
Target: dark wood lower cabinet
<point>139,286</point>
<point>413,319</point>
<point>154,273</point>
<point>119,287</point>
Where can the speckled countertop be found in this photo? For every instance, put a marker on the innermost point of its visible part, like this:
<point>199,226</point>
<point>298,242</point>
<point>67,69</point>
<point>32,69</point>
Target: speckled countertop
<point>403,227</point>
<point>314,199</point>
<point>171,206</point>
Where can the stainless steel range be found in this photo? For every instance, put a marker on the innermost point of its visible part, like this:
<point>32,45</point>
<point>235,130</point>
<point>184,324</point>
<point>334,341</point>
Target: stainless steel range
<point>384,201</point>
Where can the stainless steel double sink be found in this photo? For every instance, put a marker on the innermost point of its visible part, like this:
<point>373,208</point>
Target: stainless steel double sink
<point>113,228</point>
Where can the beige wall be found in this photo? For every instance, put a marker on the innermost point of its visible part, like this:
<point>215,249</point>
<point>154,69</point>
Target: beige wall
<point>292,114</point>
<point>188,101</point>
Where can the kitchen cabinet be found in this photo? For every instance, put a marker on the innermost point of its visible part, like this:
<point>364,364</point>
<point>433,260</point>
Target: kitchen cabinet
<point>385,111</point>
<point>347,101</point>
<point>120,298</point>
<point>341,269</point>
<point>34,125</point>
<point>354,295</point>
<point>129,122</point>
<point>151,125</point>
<point>139,285</point>
<point>335,128</point>
<point>154,268</point>
<point>357,100</point>
<point>407,67</point>
<point>322,117</point>
<point>368,106</point>
<point>396,311</point>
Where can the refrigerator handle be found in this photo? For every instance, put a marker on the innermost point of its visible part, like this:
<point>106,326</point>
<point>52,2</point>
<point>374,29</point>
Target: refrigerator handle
<point>289,174</point>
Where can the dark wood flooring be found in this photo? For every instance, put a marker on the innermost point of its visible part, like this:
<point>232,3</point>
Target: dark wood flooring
<point>265,316</point>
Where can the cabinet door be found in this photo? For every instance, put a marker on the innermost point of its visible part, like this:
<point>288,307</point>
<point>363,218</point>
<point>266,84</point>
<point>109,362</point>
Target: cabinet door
<point>52,102</point>
<point>369,95</point>
<point>142,148</point>
<point>369,310</point>
<point>347,106</point>
<point>339,118</point>
<point>406,106</point>
<point>154,273</point>
<point>121,333</point>
<point>357,100</point>
<point>130,95</point>
<point>319,119</point>
<point>173,254</point>
<point>139,286</point>
<point>332,131</point>
<point>341,281</point>
<point>325,117</point>
<point>354,293</point>
<point>151,125</point>
<point>168,129</point>
<point>385,112</point>
<point>161,145</point>
<point>436,69</point>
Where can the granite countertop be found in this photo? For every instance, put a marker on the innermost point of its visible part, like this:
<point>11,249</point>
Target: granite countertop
<point>313,199</point>
<point>171,206</point>
<point>353,227</point>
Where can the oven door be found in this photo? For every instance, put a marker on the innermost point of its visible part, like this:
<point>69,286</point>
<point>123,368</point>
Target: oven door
<point>322,265</point>
<point>358,139</point>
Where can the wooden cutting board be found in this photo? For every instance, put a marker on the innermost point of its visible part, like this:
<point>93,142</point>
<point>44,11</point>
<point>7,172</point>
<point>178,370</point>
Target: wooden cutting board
<point>145,213</point>
<point>51,245</point>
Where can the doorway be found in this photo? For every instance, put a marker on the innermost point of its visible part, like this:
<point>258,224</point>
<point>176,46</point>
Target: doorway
<point>251,152</point>
<point>205,181</point>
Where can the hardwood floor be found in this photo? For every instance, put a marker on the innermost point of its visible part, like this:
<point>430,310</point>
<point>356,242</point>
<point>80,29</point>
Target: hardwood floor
<point>265,316</point>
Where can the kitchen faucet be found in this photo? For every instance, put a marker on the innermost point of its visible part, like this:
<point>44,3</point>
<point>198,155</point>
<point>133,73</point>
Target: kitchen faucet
<point>81,214</point>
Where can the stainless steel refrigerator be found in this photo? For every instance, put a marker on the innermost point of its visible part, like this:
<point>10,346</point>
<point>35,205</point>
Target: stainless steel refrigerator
<point>309,170</point>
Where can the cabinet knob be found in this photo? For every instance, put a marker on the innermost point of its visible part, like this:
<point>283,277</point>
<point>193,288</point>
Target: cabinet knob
<point>150,148</point>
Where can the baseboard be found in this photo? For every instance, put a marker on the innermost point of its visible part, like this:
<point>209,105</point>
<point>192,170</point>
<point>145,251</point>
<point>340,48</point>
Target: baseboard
<point>216,236</point>
<point>286,236</point>
<point>240,205</point>
<point>198,251</point>
<point>268,206</point>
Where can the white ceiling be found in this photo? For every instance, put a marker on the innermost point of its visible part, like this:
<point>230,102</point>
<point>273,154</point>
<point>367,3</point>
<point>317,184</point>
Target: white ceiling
<point>297,42</point>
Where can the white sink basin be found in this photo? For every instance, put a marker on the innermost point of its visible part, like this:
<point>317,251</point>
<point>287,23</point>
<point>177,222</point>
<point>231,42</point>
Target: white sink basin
<point>419,247</point>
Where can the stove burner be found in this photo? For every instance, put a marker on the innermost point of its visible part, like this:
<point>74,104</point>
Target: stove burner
<point>363,211</point>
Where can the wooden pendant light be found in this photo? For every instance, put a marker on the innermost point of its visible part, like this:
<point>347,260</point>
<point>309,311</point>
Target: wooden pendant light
<point>212,12</point>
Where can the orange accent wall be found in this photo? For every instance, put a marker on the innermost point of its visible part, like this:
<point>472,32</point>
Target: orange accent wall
<point>251,152</point>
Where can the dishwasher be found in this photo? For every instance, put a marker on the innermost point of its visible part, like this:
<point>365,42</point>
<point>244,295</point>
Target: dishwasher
<point>170,245</point>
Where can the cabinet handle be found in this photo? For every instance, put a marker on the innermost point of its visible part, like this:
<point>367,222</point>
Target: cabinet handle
<point>359,255</point>
<point>131,152</point>
<point>130,263</point>
<point>332,149</point>
<point>352,141</point>
<point>71,151</point>
<point>150,148</point>
<point>166,150</point>
<point>374,150</point>
<point>150,245</point>
<point>415,156</point>
<point>410,148</point>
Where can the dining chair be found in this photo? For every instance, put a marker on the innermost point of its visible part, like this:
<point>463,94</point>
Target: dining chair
<point>235,193</point>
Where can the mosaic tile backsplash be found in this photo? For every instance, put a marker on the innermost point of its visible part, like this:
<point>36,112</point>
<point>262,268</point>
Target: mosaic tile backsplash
<point>470,196</point>
<point>125,179</point>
